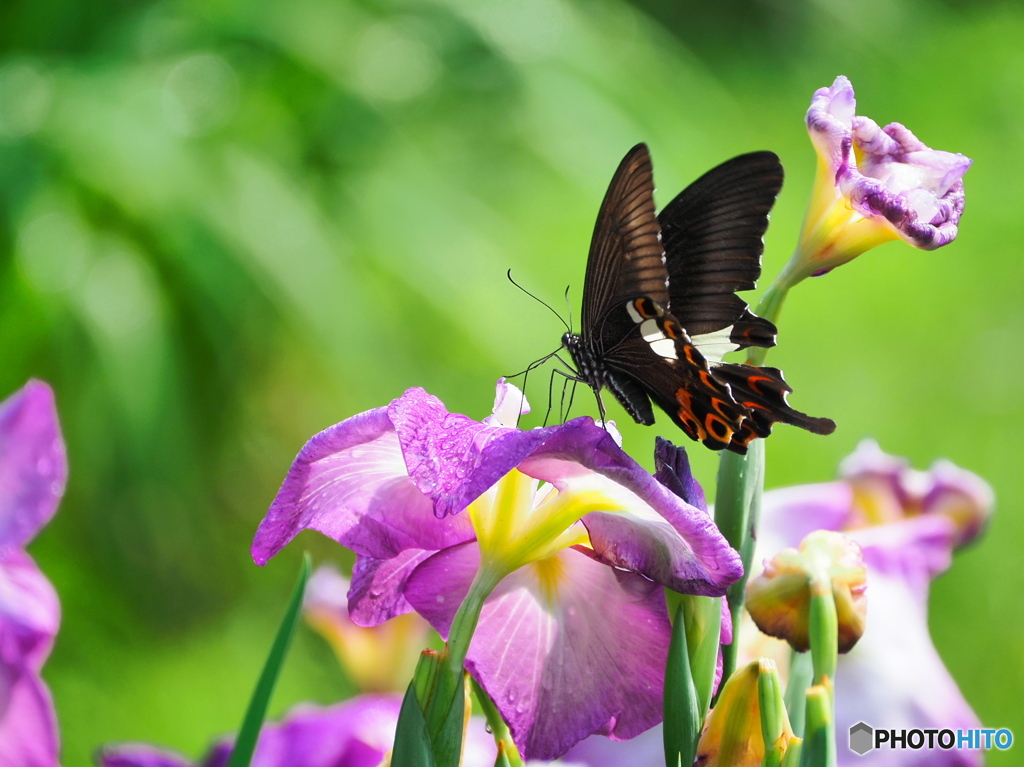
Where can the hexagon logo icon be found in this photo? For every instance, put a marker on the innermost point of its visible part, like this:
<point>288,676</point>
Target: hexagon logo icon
<point>862,738</point>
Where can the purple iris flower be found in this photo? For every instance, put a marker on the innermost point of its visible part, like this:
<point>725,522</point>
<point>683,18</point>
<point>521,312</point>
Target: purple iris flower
<point>359,733</point>
<point>33,470</point>
<point>908,524</point>
<point>566,540</point>
<point>873,185</point>
<point>356,733</point>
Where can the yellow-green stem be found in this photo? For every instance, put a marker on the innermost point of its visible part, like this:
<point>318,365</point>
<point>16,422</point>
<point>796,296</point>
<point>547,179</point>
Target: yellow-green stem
<point>449,675</point>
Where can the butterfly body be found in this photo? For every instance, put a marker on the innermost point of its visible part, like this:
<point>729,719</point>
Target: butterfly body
<point>660,305</point>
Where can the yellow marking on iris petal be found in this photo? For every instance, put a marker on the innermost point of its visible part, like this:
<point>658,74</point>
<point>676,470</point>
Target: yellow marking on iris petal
<point>550,574</point>
<point>512,531</point>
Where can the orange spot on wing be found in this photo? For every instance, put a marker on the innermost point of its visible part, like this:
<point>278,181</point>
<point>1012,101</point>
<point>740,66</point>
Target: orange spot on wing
<point>718,428</point>
<point>752,382</point>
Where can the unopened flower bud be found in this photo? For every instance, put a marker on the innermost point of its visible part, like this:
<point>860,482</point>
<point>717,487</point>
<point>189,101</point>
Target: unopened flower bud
<point>779,599</point>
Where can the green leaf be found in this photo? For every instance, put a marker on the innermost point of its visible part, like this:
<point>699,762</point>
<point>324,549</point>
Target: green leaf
<point>425,676</point>
<point>774,722</point>
<point>245,744</point>
<point>703,631</point>
<point>412,746</point>
<point>447,741</point>
<point>683,715</point>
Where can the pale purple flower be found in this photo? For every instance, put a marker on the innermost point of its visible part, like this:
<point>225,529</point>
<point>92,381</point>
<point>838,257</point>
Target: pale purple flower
<point>573,640</point>
<point>377,658</point>
<point>33,470</point>
<point>873,185</point>
<point>356,733</point>
<point>908,523</point>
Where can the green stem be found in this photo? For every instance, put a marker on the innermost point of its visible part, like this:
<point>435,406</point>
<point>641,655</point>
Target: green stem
<point>453,658</point>
<point>819,749</point>
<point>497,725</point>
<point>737,512</point>
<point>741,477</point>
<point>770,307</point>
<point>800,675</point>
<point>824,633</point>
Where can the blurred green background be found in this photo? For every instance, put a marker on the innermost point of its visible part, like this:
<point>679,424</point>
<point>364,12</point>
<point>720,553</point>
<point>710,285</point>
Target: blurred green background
<point>227,224</point>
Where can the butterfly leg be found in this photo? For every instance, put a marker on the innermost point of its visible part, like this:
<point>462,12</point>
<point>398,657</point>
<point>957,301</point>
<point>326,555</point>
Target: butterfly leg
<point>562,411</point>
<point>600,407</point>
<point>551,402</point>
<point>572,396</point>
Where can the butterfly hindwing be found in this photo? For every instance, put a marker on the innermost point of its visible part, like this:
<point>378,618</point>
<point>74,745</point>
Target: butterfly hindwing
<point>762,392</point>
<point>662,362</point>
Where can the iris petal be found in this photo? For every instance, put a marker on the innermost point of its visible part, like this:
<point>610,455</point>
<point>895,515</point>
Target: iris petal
<point>565,647</point>
<point>33,466</point>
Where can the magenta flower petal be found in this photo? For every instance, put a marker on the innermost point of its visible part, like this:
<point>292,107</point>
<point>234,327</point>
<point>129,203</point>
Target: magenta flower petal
<point>140,755</point>
<point>647,748</point>
<point>894,676</point>
<point>887,173</point>
<point>375,594</point>
<point>28,726</point>
<point>658,534</point>
<point>453,459</point>
<point>962,496</point>
<point>591,644</point>
<point>29,612</point>
<point>33,466</point>
<point>908,523</point>
<point>356,733</point>
<point>350,483</point>
<point>790,514</point>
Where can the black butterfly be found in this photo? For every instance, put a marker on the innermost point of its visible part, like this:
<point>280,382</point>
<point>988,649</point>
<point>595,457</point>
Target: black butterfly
<point>660,305</point>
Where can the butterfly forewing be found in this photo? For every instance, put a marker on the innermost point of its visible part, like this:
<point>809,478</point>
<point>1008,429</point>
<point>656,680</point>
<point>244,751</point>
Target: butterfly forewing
<point>626,257</point>
<point>713,235</point>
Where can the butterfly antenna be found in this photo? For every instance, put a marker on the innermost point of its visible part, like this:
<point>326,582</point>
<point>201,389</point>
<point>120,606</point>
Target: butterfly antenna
<point>531,295</point>
<point>568,303</point>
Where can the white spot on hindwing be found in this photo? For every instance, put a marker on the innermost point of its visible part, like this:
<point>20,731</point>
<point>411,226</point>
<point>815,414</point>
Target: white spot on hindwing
<point>714,346</point>
<point>633,313</point>
<point>661,344</point>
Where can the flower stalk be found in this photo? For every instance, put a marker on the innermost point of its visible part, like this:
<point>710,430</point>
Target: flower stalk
<point>508,753</point>
<point>819,749</point>
<point>449,679</point>
<point>737,509</point>
<point>824,629</point>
